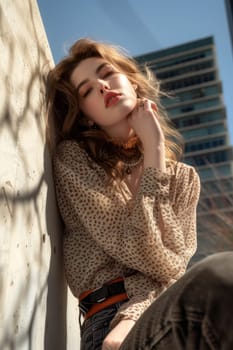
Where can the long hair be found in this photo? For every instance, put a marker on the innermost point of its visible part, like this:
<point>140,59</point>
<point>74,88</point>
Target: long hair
<point>65,120</point>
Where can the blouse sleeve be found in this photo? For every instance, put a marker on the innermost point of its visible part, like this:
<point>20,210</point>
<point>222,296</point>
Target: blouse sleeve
<point>157,237</point>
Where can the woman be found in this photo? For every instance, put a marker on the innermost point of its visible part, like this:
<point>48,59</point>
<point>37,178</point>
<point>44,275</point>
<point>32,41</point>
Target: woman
<point>127,203</point>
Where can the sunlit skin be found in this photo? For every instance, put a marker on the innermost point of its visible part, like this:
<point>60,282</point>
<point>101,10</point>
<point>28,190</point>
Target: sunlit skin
<point>120,116</point>
<point>94,79</point>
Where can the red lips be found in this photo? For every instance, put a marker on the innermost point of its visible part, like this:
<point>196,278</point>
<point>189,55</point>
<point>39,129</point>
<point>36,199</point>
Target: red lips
<point>111,98</point>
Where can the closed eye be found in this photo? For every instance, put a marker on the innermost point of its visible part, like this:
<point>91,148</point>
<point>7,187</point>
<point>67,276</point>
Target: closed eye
<point>107,74</point>
<point>86,93</point>
<point>107,71</point>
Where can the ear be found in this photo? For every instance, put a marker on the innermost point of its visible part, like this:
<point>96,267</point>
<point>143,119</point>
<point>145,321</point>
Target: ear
<point>135,86</point>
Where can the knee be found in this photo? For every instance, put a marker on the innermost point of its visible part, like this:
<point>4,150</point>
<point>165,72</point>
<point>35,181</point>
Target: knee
<point>218,266</point>
<point>213,277</point>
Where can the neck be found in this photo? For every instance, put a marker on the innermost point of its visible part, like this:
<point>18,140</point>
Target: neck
<point>121,131</point>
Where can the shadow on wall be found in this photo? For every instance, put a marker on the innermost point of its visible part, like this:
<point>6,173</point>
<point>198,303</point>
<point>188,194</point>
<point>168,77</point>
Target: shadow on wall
<point>55,331</point>
<point>32,286</point>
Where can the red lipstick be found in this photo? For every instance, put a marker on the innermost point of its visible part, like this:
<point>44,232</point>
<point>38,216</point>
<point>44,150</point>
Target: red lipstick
<point>111,98</point>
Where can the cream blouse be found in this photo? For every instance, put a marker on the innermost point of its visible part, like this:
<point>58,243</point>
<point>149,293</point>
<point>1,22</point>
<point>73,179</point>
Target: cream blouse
<point>108,234</point>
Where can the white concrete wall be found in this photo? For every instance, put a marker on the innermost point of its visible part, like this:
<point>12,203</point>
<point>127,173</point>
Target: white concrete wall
<point>34,312</point>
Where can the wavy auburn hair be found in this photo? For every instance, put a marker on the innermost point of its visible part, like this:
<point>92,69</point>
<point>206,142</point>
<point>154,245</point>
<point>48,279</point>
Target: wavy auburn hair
<point>65,120</point>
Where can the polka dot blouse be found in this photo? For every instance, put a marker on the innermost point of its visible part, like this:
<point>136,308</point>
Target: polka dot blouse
<point>148,240</point>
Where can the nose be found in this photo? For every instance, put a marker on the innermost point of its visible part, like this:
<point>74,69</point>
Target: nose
<point>103,86</point>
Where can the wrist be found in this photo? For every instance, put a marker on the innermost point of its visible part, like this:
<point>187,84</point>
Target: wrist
<point>153,145</point>
<point>154,157</point>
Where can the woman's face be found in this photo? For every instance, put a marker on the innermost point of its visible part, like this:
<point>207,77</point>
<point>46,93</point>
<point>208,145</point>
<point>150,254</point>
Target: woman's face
<point>106,96</point>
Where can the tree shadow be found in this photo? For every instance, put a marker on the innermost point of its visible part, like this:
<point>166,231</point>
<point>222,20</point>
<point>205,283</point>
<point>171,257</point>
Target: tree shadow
<point>32,286</point>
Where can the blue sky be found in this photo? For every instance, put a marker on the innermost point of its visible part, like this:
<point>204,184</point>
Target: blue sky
<point>142,26</point>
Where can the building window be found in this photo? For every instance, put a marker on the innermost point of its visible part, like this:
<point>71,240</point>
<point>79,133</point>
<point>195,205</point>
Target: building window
<point>187,109</point>
<point>191,95</point>
<point>223,185</point>
<point>219,202</point>
<point>183,59</point>
<point>198,146</point>
<point>209,173</point>
<point>195,106</point>
<point>211,158</point>
<point>195,80</point>
<point>184,70</point>
<point>204,131</point>
<point>200,119</point>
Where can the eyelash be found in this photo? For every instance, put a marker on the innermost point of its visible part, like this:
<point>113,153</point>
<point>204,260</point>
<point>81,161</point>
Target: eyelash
<point>87,92</point>
<point>108,73</point>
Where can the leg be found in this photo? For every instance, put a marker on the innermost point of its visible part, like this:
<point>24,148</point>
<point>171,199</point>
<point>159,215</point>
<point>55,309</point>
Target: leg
<point>195,313</point>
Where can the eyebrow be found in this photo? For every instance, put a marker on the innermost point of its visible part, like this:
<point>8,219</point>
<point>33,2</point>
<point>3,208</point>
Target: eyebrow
<point>98,69</point>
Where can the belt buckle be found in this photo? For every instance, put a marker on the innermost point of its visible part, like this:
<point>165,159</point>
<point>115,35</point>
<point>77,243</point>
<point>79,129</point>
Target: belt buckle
<point>82,308</point>
<point>102,294</point>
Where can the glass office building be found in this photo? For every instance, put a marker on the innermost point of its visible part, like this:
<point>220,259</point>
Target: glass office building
<point>190,72</point>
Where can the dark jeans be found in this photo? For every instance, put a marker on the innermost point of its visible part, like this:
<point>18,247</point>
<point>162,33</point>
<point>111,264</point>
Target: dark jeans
<point>95,329</point>
<point>196,313</point>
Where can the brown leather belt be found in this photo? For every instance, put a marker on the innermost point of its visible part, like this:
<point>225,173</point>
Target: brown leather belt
<point>93,301</point>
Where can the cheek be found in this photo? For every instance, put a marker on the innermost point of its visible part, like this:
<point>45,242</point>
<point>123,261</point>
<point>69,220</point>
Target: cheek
<point>131,91</point>
<point>92,109</point>
<point>124,83</point>
<point>131,94</point>
<point>88,104</point>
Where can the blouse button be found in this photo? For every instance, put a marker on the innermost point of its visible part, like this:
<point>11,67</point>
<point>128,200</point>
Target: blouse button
<point>164,182</point>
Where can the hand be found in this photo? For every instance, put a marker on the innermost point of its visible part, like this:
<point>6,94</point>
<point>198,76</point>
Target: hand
<point>116,337</point>
<point>144,120</point>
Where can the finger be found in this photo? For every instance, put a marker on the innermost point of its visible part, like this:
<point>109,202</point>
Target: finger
<point>141,103</point>
<point>155,109</point>
<point>147,105</point>
<point>154,106</point>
